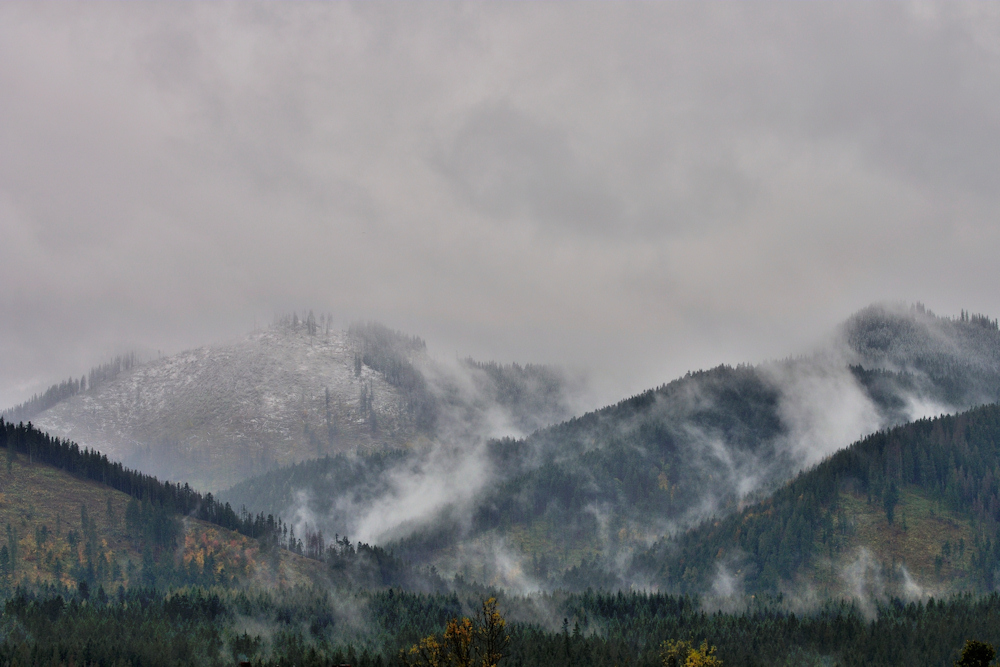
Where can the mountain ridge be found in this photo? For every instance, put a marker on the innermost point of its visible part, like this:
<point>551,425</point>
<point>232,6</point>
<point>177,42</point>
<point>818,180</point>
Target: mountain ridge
<point>859,508</point>
<point>214,415</point>
<point>605,484</point>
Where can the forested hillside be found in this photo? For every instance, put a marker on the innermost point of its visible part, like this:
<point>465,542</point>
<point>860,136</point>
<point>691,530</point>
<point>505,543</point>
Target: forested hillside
<point>914,507</point>
<point>74,516</point>
<point>954,361</point>
<point>607,483</point>
<point>82,563</point>
<point>60,529</point>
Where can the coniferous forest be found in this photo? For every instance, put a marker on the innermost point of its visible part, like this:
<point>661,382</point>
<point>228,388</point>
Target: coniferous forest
<point>308,626</point>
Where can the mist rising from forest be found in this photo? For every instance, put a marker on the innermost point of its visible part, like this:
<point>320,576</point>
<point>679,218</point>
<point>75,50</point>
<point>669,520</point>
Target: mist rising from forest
<point>822,405</point>
<point>432,492</point>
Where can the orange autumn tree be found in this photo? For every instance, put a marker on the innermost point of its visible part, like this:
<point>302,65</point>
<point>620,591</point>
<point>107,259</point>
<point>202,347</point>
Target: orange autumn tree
<point>466,642</point>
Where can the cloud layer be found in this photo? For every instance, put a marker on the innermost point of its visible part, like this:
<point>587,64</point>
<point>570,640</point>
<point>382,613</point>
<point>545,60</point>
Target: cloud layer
<point>635,189</point>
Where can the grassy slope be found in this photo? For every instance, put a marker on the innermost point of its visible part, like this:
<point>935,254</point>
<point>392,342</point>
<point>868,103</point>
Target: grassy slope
<point>915,540</point>
<point>37,496</point>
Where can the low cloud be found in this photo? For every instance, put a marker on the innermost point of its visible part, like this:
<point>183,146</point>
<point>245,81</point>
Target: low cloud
<point>823,407</point>
<point>635,190</point>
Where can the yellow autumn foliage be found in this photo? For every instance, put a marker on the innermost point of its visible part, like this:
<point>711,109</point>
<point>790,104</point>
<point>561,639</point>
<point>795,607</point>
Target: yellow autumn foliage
<point>465,642</point>
<point>683,653</point>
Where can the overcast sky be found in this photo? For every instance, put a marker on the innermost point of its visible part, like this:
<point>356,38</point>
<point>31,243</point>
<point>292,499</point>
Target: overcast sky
<point>634,189</point>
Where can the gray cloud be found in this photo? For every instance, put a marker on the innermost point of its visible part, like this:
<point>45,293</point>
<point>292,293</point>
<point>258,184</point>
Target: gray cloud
<point>508,166</point>
<point>636,189</point>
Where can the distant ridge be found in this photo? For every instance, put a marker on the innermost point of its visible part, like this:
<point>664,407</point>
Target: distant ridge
<point>601,487</point>
<point>300,389</point>
<point>69,388</point>
<point>216,414</point>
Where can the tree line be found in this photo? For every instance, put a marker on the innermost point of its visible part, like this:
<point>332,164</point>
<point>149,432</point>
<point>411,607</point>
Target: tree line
<point>312,627</point>
<point>61,391</point>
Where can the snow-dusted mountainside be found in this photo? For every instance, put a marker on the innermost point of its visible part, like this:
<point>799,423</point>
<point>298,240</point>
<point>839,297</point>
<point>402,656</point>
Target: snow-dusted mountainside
<point>954,362</point>
<point>215,415</point>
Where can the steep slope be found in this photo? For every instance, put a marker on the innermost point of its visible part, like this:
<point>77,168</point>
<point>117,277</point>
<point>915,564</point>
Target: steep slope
<point>913,508</point>
<point>183,537</point>
<point>606,484</point>
<point>59,528</point>
<point>216,415</point>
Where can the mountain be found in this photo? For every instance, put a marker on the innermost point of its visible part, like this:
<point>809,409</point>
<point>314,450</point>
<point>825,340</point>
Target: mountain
<point>911,509</point>
<point>607,484</point>
<point>159,534</point>
<point>953,362</point>
<point>298,390</point>
<point>214,415</point>
<point>62,528</point>
<point>91,579</point>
